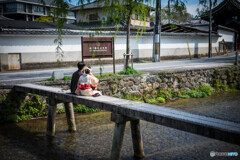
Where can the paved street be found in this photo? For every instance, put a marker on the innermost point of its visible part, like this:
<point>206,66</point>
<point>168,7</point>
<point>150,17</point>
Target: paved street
<point>36,75</point>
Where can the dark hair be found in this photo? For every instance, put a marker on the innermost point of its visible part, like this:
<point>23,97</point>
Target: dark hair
<point>80,65</point>
<point>87,71</point>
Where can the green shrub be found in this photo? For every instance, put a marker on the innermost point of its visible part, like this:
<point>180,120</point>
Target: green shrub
<point>152,101</point>
<point>206,89</point>
<point>133,98</point>
<point>83,109</point>
<point>106,75</point>
<point>183,95</point>
<point>196,94</point>
<point>53,79</point>
<point>129,71</point>
<point>161,100</point>
<point>67,78</point>
<point>167,95</point>
<point>13,118</point>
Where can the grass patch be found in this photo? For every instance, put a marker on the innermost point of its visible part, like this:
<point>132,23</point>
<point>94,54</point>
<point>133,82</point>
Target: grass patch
<point>53,79</point>
<point>161,100</point>
<point>66,78</point>
<point>129,71</point>
<point>83,109</point>
<point>106,75</point>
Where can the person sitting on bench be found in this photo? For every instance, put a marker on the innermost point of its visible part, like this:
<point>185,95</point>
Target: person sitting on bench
<point>86,83</point>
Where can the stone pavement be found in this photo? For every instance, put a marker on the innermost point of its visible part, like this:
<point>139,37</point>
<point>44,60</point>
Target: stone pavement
<point>174,65</point>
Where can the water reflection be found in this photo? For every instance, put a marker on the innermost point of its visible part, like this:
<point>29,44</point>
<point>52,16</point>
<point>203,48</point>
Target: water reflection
<point>93,139</point>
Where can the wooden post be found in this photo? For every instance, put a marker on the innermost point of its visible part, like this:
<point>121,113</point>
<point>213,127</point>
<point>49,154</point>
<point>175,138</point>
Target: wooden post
<point>189,50</point>
<point>117,140</point>
<point>70,116</point>
<point>52,106</point>
<point>137,139</point>
<point>119,134</point>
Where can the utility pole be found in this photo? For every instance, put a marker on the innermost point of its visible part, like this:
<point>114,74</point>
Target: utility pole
<point>169,11</point>
<point>157,33</point>
<point>210,30</point>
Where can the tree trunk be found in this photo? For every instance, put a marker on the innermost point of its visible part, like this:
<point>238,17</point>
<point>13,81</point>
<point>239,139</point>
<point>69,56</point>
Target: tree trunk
<point>128,39</point>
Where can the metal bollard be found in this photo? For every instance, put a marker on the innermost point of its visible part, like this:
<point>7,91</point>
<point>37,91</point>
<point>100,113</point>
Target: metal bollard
<point>236,59</point>
<point>124,57</point>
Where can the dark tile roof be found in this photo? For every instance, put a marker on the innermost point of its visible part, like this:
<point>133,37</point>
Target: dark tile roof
<point>32,25</point>
<point>175,28</point>
<point>108,26</point>
<point>10,27</point>
<point>4,18</point>
<point>47,2</point>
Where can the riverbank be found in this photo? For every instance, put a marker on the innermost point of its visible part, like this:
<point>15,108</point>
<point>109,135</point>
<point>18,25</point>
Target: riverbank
<point>93,139</point>
<point>149,88</point>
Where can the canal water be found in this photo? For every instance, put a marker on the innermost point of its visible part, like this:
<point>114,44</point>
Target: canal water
<point>93,139</point>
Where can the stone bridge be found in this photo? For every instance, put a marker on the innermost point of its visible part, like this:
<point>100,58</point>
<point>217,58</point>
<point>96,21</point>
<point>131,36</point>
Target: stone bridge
<point>126,110</point>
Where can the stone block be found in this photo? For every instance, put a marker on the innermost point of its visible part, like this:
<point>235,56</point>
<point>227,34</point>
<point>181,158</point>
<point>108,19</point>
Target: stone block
<point>58,74</point>
<point>163,86</point>
<point>103,85</point>
<point>128,84</point>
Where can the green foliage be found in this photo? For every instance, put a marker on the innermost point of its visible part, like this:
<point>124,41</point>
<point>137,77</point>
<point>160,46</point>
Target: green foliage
<point>218,86</point>
<point>133,98</point>
<point>27,109</point>
<point>229,73</point>
<point>67,78</point>
<point>3,99</point>
<point>167,95</point>
<point>216,71</point>
<point>53,79</point>
<point>13,118</point>
<point>33,107</point>
<point>208,90</point>
<point>161,100</point>
<point>106,75</point>
<point>60,111</point>
<point>44,19</point>
<point>196,94</point>
<point>129,71</point>
<point>83,109</point>
<point>152,101</point>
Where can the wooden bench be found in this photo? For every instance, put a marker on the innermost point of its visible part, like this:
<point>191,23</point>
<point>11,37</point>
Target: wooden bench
<point>126,110</point>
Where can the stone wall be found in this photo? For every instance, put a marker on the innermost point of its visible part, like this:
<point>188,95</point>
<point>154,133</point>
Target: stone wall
<point>186,80</point>
<point>136,85</point>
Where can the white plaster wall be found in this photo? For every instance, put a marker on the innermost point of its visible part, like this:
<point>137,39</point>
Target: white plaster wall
<point>42,48</point>
<point>83,16</point>
<point>228,36</point>
<point>203,27</point>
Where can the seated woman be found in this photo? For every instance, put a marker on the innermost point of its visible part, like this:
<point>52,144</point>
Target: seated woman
<point>86,83</point>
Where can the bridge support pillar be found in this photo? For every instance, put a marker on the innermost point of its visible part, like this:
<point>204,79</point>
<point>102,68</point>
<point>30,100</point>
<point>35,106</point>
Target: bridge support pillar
<point>52,106</point>
<point>70,116</point>
<point>120,123</point>
<point>137,139</point>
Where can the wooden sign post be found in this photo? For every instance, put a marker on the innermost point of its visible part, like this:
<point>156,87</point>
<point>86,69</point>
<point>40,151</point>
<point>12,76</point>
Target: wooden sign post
<point>98,47</point>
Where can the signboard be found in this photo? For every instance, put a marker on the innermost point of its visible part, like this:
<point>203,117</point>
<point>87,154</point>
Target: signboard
<point>98,47</point>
